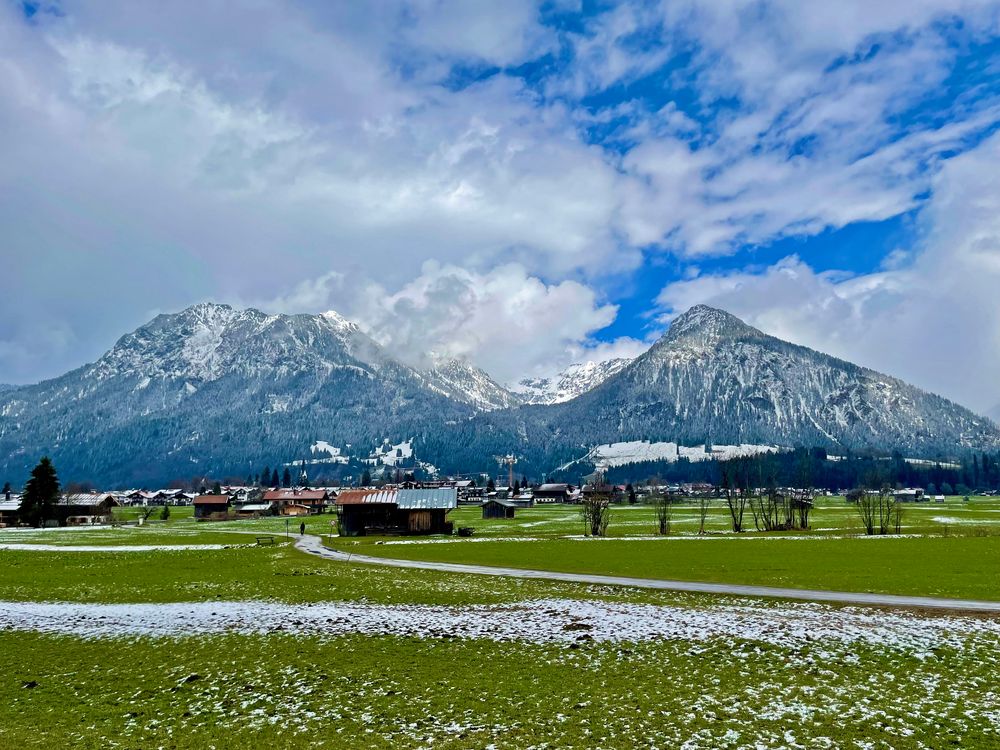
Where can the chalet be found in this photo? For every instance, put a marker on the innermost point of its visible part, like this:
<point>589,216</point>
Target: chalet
<point>314,501</point>
<point>553,493</point>
<point>211,506</point>
<point>403,511</point>
<point>497,508</point>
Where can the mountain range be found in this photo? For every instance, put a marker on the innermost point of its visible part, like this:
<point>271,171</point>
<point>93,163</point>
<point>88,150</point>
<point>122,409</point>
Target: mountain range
<point>217,391</point>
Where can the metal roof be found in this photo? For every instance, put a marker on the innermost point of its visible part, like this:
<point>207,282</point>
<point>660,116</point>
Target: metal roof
<point>443,497</point>
<point>254,507</point>
<point>367,497</point>
<point>499,501</point>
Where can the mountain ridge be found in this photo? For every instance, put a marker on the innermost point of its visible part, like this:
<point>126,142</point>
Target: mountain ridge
<point>213,388</point>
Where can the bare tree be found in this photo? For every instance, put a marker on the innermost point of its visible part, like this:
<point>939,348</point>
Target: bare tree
<point>736,486</point>
<point>879,510</point>
<point>661,506</point>
<point>595,506</point>
<point>596,512</point>
<point>704,503</point>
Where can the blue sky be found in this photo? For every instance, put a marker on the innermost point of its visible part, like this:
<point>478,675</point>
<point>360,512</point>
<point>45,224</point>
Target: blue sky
<point>524,185</point>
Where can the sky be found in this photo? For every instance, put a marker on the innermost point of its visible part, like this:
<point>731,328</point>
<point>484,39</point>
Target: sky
<point>521,184</point>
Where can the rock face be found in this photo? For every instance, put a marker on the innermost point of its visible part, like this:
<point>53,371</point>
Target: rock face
<point>218,391</point>
<point>574,381</point>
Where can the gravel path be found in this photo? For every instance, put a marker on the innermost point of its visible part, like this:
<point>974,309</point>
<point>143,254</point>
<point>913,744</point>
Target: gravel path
<point>314,545</point>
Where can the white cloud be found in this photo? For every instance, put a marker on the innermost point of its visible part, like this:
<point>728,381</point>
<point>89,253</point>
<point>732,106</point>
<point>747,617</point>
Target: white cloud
<point>933,321</point>
<point>508,322</point>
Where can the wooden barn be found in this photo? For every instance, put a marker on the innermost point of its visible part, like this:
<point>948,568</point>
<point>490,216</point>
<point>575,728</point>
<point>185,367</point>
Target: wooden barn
<point>208,506</point>
<point>406,511</point>
<point>498,508</point>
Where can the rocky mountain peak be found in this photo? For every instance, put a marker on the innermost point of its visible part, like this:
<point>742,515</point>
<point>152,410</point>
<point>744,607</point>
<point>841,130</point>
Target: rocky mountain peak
<point>706,325</point>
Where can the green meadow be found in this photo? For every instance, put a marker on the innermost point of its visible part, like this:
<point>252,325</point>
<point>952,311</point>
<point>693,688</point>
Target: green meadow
<point>443,689</point>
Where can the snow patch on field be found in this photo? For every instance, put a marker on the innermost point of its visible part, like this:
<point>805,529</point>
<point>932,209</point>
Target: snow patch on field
<point>541,621</point>
<point>112,548</point>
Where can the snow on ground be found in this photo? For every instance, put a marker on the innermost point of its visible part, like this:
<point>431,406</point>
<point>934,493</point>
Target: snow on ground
<point>541,621</point>
<point>617,454</point>
<point>111,548</point>
<point>390,455</point>
<point>333,454</point>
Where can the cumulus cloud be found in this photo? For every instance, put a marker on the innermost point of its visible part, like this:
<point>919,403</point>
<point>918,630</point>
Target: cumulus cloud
<point>506,321</point>
<point>162,161</point>
<point>933,320</point>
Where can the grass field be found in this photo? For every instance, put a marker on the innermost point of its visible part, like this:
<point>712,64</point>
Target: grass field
<point>732,673</point>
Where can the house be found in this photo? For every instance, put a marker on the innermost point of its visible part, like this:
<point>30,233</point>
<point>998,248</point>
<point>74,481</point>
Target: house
<point>403,511</point>
<point>497,508</point>
<point>10,508</point>
<point>553,493</point>
<point>211,506</point>
<point>315,501</point>
<point>910,495</point>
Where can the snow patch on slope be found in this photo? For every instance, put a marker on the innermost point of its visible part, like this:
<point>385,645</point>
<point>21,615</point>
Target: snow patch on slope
<point>618,454</point>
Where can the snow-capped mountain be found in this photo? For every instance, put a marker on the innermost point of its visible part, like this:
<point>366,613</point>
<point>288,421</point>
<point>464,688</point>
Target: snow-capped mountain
<point>574,381</point>
<point>463,381</point>
<point>218,391</point>
<point>714,379</point>
<point>214,389</point>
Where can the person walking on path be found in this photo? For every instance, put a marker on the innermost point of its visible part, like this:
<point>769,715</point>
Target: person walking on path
<point>302,529</point>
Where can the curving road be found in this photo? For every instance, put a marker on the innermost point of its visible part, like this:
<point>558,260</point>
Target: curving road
<point>313,545</point>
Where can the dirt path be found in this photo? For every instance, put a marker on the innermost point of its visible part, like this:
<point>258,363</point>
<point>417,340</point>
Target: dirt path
<point>313,545</point>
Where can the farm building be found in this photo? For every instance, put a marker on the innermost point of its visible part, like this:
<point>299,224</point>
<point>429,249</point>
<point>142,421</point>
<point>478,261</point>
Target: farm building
<point>406,511</point>
<point>85,508</point>
<point>10,508</point>
<point>314,501</point>
<point>498,508</point>
<point>553,493</point>
<point>207,506</point>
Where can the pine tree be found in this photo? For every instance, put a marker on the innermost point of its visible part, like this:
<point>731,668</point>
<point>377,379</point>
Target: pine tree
<point>265,475</point>
<point>286,478</point>
<point>274,478</point>
<point>366,479</point>
<point>41,494</point>
<point>216,489</point>
<point>6,490</point>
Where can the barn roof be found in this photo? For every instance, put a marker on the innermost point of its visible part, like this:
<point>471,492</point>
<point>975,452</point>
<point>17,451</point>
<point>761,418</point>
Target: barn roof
<point>443,497</point>
<point>212,500</point>
<point>367,497</point>
<point>499,501</point>
<point>87,498</point>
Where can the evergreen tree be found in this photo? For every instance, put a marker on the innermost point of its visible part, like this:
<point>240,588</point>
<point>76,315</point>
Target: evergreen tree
<point>274,478</point>
<point>303,476</point>
<point>366,479</point>
<point>490,486</point>
<point>216,489</point>
<point>6,490</point>
<point>41,494</point>
<point>286,478</point>
<point>265,475</point>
